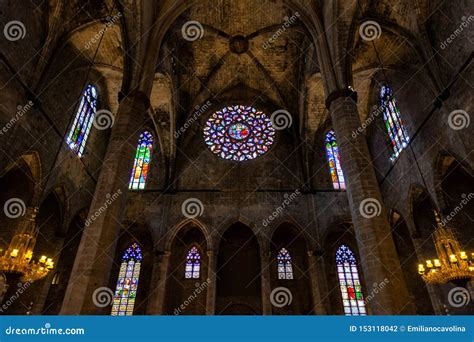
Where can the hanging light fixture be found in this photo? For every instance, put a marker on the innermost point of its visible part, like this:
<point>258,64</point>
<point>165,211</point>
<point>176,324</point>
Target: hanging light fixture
<point>18,258</point>
<point>452,264</point>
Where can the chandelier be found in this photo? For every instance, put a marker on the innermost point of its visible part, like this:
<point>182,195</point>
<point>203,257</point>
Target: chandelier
<point>452,263</point>
<point>17,259</point>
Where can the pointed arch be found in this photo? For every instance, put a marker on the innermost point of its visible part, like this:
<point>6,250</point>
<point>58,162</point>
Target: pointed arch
<point>80,129</point>
<point>393,122</point>
<point>127,283</point>
<point>334,161</point>
<point>349,282</point>
<point>141,164</point>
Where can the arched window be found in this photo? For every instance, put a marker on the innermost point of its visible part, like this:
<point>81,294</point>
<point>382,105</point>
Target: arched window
<point>141,164</point>
<point>82,124</point>
<point>335,169</point>
<point>349,282</point>
<point>127,283</point>
<point>285,270</point>
<point>396,129</point>
<point>193,264</point>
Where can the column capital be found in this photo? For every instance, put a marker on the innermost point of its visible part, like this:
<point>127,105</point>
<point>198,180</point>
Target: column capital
<point>346,92</point>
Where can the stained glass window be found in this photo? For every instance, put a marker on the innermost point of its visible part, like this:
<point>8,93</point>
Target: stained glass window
<point>239,133</point>
<point>396,129</point>
<point>349,282</point>
<point>127,283</point>
<point>334,160</point>
<point>82,124</point>
<point>141,164</point>
<point>285,270</point>
<point>193,264</point>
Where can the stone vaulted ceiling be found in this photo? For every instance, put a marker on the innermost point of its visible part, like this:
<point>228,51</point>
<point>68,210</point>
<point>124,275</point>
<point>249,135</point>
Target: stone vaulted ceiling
<point>235,50</point>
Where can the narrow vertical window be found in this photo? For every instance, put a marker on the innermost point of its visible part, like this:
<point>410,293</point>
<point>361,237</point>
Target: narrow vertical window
<point>141,165</point>
<point>127,283</point>
<point>396,129</point>
<point>285,269</point>
<point>349,282</point>
<point>334,161</point>
<point>193,264</point>
<point>82,124</point>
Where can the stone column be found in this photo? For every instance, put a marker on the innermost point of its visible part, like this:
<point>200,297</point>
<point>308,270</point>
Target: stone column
<point>160,274</point>
<point>211,284</point>
<point>418,244</point>
<point>379,259</point>
<point>265,278</point>
<point>42,294</point>
<point>318,305</point>
<point>96,251</point>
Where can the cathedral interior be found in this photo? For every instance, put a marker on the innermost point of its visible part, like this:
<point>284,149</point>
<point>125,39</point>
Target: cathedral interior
<point>236,157</point>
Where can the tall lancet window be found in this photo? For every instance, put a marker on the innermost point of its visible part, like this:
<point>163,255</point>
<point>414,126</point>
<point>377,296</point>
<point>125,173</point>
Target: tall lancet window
<point>127,283</point>
<point>285,269</point>
<point>349,282</point>
<point>142,161</point>
<point>193,264</point>
<point>396,129</point>
<point>334,161</point>
<point>82,124</point>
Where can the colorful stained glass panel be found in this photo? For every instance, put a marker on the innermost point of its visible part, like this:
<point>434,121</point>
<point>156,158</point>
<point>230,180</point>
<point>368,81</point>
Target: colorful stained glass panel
<point>351,290</point>
<point>142,161</point>
<point>82,124</point>
<point>239,133</point>
<point>127,283</point>
<point>193,264</point>
<point>335,169</point>
<point>285,269</point>
<point>396,129</point>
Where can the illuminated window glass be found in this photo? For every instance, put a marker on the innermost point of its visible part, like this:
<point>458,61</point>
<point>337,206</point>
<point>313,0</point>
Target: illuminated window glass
<point>285,269</point>
<point>349,282</point>
<point>127,283</point>
<point>82,124</point>
<point>239,133</point>
<point>396,129</point>
<point>334,160</point>
<point>142,161</point>
<point>193,264</point>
